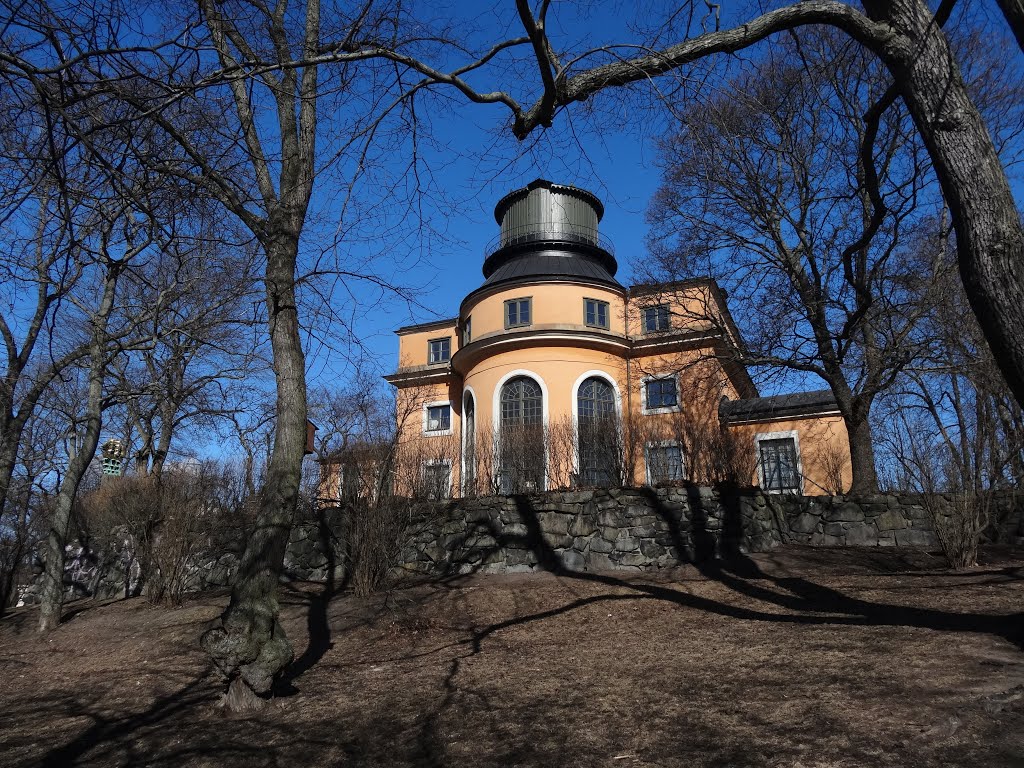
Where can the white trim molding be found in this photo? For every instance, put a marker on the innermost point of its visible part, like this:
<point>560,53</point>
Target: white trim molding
<point>467,393</point>
<point>661,409</point>
<point>795,436</point>
<point>451,419</point>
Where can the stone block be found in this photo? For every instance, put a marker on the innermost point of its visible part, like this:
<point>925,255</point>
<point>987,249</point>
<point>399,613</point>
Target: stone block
<point>609,519</point>
<point>514,529</point>
<point>554,522</point>
<point>481,540</point>
<point>598,561</point>
<point>643,531</point>
<point>583,525</point>
<point>610,532</point>
<point>598,544</point>
<point>634,560</point>
<point>861,536</point>
<point>626,543</point>
<point>651,549</point>
<point>834,529</point>
<point>916,537</point>
<point>571,559</point>
<point>578,497</point>
<point>891,520</point>
<point>822,540</point>
<point>558,540</point>
<point>520,557</point>
<point>916,513</point>
<point>847,512</point>
<point>637,510</point>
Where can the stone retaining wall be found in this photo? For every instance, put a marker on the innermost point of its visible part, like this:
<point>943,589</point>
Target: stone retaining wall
<point>591,530</point>
<point>644,528</point>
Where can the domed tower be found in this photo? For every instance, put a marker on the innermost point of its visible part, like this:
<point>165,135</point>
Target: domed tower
<point>549,230</point>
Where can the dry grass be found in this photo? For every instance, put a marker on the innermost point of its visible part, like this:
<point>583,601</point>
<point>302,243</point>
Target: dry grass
<point>806,658</point>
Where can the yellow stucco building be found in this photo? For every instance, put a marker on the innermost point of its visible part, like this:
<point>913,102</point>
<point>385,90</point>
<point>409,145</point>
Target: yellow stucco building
<point>553,375</point>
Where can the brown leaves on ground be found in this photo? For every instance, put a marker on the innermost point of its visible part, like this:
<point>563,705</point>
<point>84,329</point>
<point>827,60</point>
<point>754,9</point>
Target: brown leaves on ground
<point>807,658</point>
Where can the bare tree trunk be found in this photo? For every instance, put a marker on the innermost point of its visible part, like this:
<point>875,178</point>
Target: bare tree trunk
<point>1013,10</point>
<point>52,578</point>
<point>862,455</point>
<point>250,645</point>
<point>990,238</point>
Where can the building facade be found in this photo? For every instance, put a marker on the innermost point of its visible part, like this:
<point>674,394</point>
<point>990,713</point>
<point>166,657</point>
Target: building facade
<point>554,375</point>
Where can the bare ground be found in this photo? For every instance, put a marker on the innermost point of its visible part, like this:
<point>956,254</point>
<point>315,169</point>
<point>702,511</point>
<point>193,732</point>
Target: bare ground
<point>804,658</point>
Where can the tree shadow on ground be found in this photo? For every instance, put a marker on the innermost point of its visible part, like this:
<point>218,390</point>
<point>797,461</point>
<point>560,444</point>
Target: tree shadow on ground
<point>718,558</point>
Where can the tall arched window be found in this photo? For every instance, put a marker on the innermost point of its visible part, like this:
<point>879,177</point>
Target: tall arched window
<point>468,445</point>
<point>521,436</point>
<point>598,433</point>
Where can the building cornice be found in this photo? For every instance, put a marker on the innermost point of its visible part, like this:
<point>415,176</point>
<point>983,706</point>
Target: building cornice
<point>420,375</point>
<point>431,326</point>
<point>808,414</point>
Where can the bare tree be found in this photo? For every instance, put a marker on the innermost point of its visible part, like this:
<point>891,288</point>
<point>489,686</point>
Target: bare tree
<point>801,209</point>
<point>201,345</point>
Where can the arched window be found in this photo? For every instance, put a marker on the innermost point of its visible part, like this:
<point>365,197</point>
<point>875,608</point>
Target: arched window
<point>598,433</point>
<point>522,402</point>
<point>521,436</point>
<point>468,445</point>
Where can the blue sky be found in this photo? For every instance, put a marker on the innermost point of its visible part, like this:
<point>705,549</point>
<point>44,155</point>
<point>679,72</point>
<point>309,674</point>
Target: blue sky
<point>476,161</point>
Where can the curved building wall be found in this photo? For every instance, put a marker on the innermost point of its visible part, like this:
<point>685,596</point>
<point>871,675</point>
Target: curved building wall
<point>553,304</point>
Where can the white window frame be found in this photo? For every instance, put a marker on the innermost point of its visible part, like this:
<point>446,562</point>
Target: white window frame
<point>663,444</point>
<point>788,434</point>
<point>437,463</point>
<point>660,409</point>
<point>426,415</point>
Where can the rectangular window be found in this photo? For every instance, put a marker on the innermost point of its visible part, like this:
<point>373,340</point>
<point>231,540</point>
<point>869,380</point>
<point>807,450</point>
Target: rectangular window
<point>517,312</point>
<point>467,331</point>
<point>440,350</point>
<point>656,318</point>
<point>437,480</point>
<point>595,313</point>
<point>664,464</point>
<point>661,393</point>
<point>439,418</point>
<point>779,464</point>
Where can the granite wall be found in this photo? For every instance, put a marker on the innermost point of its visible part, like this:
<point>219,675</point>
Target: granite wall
<point>644,528</point>
<point>629,529</point>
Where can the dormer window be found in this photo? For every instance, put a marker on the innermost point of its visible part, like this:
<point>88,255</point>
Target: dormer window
<point>439,350</point>
<point>517,313</point>
<point>656,318</point>
<point>595,313</point>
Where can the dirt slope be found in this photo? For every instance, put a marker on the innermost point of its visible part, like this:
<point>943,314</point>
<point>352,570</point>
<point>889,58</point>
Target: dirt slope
<point>806,658</point>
